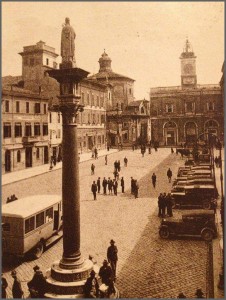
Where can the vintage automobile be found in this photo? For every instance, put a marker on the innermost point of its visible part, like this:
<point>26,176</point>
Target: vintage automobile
<point>192,224</point>
<point>194,196</point>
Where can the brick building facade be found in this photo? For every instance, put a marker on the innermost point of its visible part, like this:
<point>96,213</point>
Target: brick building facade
<point>184,113</point>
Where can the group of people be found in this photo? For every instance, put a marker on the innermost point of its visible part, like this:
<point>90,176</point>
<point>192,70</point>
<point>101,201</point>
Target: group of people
<point>11,198</point>
<point>110,184</point>
<point>107,274</point>
<point>37,286</point>
<point>165,205</point>
<point>134,187</point>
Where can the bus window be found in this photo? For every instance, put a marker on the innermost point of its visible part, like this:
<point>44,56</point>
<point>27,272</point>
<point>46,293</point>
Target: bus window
<point>6,227</point>
<point>49,215</point>
<point>29,224</point>
<point>40,219</point>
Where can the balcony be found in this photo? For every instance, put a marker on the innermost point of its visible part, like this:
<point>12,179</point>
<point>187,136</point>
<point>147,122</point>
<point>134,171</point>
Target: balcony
<point>30,139</point>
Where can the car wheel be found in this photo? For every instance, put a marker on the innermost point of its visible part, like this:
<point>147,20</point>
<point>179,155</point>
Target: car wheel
<point>164,233</point>
<point>207,235</point>
<point>38,250</point>
<point>206,205</point>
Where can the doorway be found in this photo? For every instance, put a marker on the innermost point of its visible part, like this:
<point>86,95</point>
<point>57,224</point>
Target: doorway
<point>28,157</point>
<point>7,161</point>
<point>46,155</point>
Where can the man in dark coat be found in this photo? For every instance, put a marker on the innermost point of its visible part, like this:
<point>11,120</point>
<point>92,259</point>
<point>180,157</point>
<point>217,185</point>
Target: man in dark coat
<point>106,159</point>
<point>116,165</point>
<point>110,186</point>
<point>169,174</point>
<point>92,169</point>
<point>115,187</point>
<point>4,287</point>
<point>122,184</point>
<point>16,288</point>
<point>106,275</point>
<point>94,190</point>
<point>37,286</point>
<point>160,204</point>
<point>91,287</point>
<point>112,256</point>
<point>132,185</point>
<point>154,178</point>
<point>125,161</point>
<point>98,185</point>
<point>104,184</point>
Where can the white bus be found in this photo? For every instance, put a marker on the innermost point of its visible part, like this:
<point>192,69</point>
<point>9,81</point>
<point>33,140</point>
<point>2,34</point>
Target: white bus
<point>30,224</point>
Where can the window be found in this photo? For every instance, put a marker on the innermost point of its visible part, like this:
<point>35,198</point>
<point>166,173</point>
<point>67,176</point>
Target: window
<point>210,106</point>
<point>189,106</point>
<point>37,129</point>
<point>58,118</point>
<point>6,105</point>
<point>58,133</point>
<point>98,101</point>
<point>130,91</point>
<point>50,117</point>
<point>18,155</point>
<point>29,224</point>
<point>92,100</point>
<point>102,102</point>
<point>88,99</point>
<point>37,108</point>
<point>6,227</point>
<point>7,130</point>
<point>17,106</point>
<point>102,119</point>
<point>18,130</point>
<point>169,108</point>
<point>40,219</point>
<point>47,61</point>
<point>45,129</point>
<point>49,214</point>
<point>27,107</point>
<point>37,153</point>
<point>28,129</point>
<point>44,108</point>
<point>82,99</point>
<point>32,61</point>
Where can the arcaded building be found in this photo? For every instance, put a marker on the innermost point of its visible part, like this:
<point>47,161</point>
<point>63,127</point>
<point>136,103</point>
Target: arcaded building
<point>182,114</point>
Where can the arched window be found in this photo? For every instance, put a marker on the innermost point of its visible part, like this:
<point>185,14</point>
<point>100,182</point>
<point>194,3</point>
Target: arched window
<point>18,156</point>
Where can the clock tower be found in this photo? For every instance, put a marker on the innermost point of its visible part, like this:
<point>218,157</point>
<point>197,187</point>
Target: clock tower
<point>188,67</point>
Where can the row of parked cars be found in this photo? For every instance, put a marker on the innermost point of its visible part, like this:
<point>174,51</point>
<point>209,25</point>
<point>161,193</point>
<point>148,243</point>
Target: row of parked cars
<point>193,188</point>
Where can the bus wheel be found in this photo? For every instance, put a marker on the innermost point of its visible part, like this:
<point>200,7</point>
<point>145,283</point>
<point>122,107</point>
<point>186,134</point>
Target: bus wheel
<point>38,250</point>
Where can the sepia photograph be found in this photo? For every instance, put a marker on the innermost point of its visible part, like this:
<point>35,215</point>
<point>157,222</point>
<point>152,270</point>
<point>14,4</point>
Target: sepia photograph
<point>112,118</point>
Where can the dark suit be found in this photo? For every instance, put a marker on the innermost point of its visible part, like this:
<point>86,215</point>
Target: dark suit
<point>94,190</point>
<point>112,256</point>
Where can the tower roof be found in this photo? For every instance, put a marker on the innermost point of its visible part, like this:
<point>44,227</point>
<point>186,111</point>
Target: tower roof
<point>187,50</point>
<point>105,62</point>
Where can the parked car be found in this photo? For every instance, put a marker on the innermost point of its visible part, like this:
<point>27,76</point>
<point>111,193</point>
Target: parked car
<point>194,195</point>
<point>192,224</point>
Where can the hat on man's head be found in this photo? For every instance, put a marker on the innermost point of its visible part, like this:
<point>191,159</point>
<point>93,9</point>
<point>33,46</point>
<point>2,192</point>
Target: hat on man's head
<point>13,273</point>
<point>92,272</point>
<point>199,292</point>
<point>112,241</point>
<point>105,261</point>
<point>36,268</point>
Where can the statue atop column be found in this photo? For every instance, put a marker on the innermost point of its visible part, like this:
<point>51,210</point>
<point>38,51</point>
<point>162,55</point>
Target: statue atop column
<point>68,43</point>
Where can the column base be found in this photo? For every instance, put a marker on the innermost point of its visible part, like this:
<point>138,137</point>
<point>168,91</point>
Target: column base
<point>67,283</point>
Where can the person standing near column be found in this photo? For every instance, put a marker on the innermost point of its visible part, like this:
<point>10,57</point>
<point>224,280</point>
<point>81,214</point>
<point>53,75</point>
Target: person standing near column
<point>94,190</point>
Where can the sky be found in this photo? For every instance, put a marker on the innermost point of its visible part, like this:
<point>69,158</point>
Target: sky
<point>143,39</point>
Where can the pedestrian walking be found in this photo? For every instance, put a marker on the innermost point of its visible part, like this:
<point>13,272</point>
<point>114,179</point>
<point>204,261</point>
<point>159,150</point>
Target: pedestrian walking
<point>115,187</point>
<point>95,153</point>
<point>172,151</point>
<point>119,167</point>
<point>106,159</point>
<point>92,169</point>
<point>132,185</point>
<point>116,166</point>
<point>106,275</point>
<point>136,189</point>
<point>110,186</point>
<point>149,149</point>
<point>4,287</point>
<point>104,184</point>
<point>16,288</point>
<point>125,161</point>
<point>154,178</point>
<point>169,174</point>
<point>122,184</point>
<point>112,256</point>
<point>98,185</point>
<point>94,190</point>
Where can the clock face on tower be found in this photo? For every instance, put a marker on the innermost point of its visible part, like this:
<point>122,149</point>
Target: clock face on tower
<point>188,68</point>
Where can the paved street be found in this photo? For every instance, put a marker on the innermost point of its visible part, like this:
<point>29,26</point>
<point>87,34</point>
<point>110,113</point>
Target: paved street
<point>148,266</point>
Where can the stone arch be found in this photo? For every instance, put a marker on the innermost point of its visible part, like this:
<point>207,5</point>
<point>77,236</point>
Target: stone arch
<point>170,133</point>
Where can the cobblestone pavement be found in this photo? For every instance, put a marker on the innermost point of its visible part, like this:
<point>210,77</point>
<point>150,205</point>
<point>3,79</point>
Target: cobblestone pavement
<point>148,266</point>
